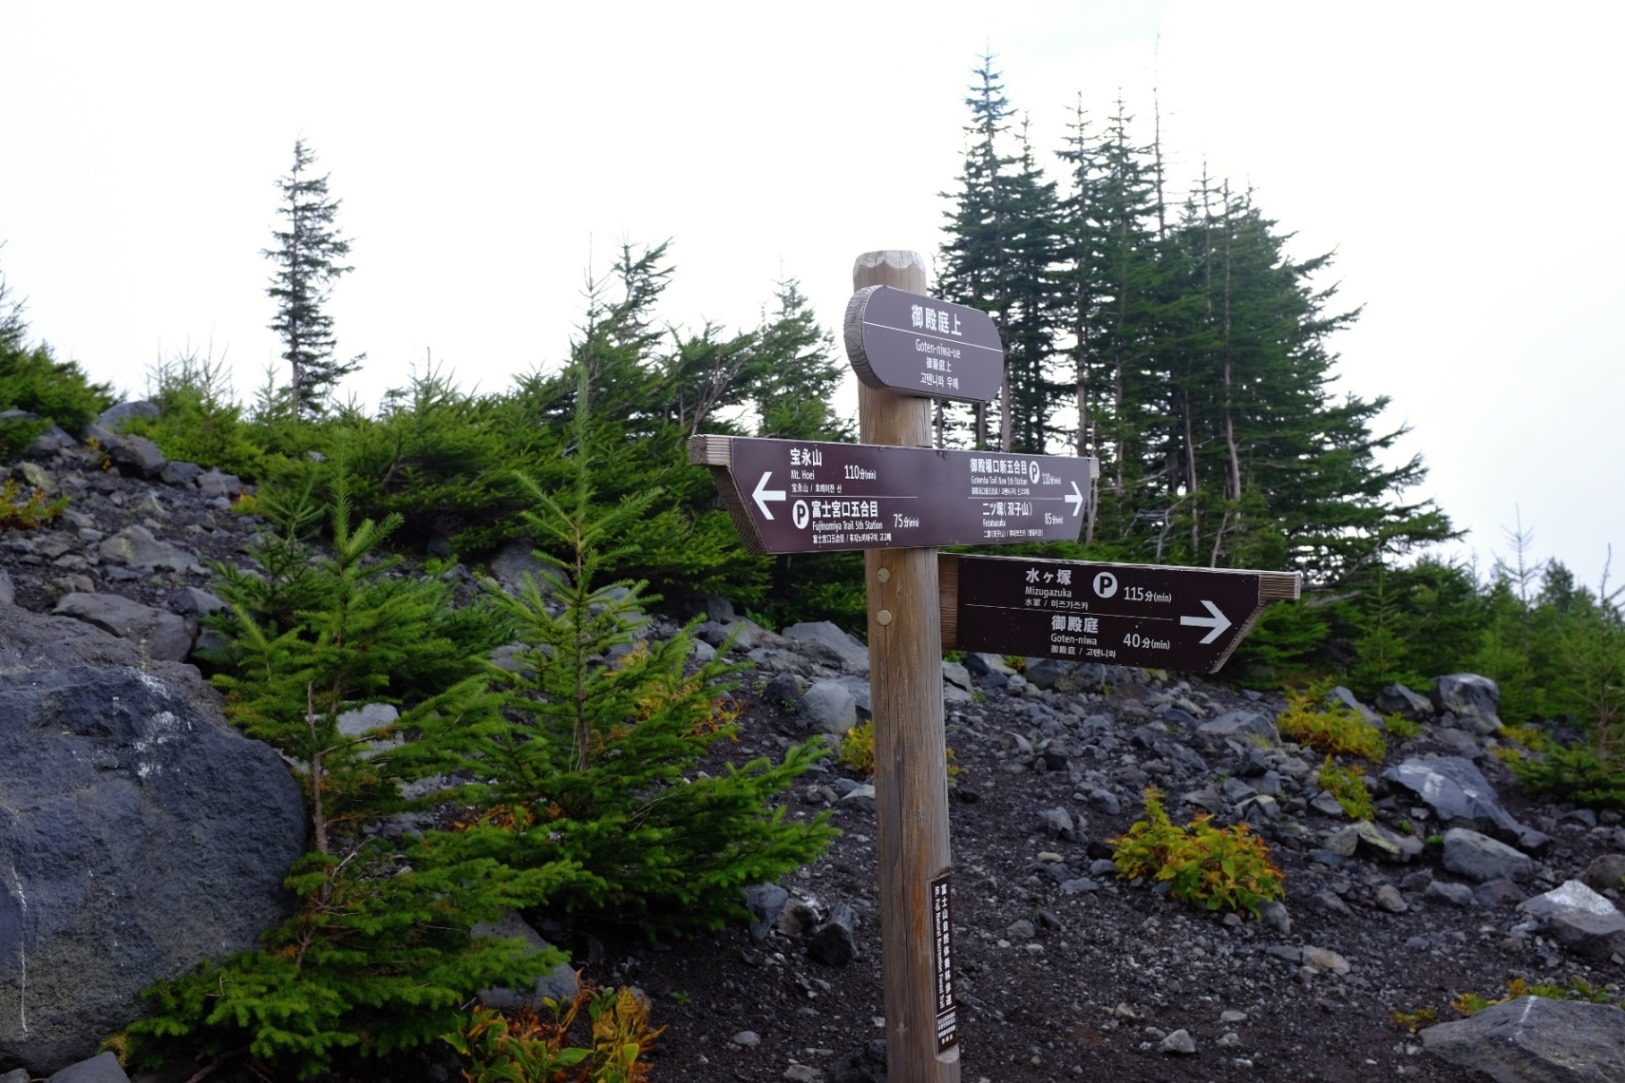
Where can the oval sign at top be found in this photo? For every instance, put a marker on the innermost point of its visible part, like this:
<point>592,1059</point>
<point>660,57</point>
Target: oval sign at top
<point>923,346</point>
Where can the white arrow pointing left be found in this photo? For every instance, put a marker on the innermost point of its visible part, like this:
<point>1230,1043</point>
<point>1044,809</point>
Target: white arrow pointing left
<point>761,494</point>
<point>1218,622</point>
<point>1075,498</point>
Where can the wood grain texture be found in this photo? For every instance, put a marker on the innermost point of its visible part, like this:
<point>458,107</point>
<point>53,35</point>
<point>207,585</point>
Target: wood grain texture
<point>911,785</point>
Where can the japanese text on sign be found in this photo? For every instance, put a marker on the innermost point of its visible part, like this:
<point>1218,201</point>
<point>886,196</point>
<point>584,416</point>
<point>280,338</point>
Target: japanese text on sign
<point>942,951</point>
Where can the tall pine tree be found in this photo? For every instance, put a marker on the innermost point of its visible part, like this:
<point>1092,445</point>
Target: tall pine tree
<point>999,257</point>
<point>308,254</point>
<point>975,253</point>
<point>1029,314</point>
<point>1110,307</point>
<point>1297,468</point>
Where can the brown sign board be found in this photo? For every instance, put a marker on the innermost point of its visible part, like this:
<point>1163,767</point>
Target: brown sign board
<point>1151,615</point>
<point>922,346</point>
<point>806,496</point>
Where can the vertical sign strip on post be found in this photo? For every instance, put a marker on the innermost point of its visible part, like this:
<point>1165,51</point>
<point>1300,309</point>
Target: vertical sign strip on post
<point>911,779</point>
<point>942,935</point>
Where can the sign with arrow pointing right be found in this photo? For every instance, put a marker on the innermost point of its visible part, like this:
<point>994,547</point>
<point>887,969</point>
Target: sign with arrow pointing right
<point>1152,615</point>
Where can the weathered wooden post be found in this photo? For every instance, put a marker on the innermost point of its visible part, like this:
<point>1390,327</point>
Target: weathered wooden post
<point>911,781</point>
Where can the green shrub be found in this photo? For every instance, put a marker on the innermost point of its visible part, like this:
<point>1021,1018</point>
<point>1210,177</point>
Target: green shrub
<point>198,421</point>
<point>857,751</point>
<point>54,391</point>
<point>595,760</point>
<point>1411,1022</point>
<point>1577,989</point>
<point>1335,729</point>
<point>27,512</point>
<point>1575,773</point>
<point>432,457</point>
<point>288,583</point>
<point>1349,786</point>
<point>1205,865</point>
<point>378,955</point>
<point>858,748</point>
<point>1401,727</point>
<point>527,1047</point>
<point>816,586</point>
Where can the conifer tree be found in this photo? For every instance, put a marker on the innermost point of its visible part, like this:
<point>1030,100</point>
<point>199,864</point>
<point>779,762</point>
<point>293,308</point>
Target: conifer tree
<point>379,954</point>
<point>1000,257</point>
<point>1201,374</point>
<point>1297,467</point>
<point>594,765</point>
<point>976,254</point>
<point>799,374</point>
<point>308,254</point>
<point>13,328</point>
<point>646,388</point>
<point>1111,305</point>
<point>1029,313</point>
<point>33,380</point>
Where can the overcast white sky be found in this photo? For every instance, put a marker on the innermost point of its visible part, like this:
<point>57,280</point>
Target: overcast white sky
<point>1462,159</point>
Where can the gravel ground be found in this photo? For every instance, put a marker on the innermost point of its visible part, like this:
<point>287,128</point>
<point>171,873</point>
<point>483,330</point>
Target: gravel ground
<point>1058,983</point>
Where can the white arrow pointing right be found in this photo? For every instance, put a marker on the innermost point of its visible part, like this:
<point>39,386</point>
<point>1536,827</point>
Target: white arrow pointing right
<point>761,494</point>
<point>1075,498</point>
<point>1218,622</point>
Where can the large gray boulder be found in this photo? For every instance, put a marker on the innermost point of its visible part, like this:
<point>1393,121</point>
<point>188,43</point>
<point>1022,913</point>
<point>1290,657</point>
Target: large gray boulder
<point>102,1068</point>
<point>1482,859</point>
<point>1397,699</point>
<point>1536,1040</point>
<point>1460,795</point>
<point>1581,920</point>
<point>139,835</point>
<point>830,707</point>
<point>134,455</point>
<point>135,547</point>
<point>823,641</point>
<point>156,633</point>
<point>1243,725</point>
<point>1472,699</point>
<point>1065,676</point>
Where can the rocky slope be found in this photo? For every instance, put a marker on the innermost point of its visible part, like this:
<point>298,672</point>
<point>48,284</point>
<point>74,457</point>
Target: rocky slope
<point>1064,970</point>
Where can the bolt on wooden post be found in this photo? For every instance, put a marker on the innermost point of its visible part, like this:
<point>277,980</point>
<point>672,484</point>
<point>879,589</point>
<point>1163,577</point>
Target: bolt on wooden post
<point>911,784</point>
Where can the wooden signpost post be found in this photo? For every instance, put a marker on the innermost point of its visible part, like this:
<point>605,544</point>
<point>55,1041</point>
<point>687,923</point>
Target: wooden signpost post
<point>897,498</point>
<point>911,752</point>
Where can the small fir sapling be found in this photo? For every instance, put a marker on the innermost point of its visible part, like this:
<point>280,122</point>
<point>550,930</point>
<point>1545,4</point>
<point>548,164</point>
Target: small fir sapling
<point>596,760</point>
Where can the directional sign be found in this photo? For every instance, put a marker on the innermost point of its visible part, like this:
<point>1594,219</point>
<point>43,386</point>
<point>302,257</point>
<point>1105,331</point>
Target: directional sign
<point>918,344</point>
<point>1150,615</point>
<point>801,496</point>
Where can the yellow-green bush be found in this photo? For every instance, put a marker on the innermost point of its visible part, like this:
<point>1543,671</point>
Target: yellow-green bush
<point>528,1047</point>
<point>857,751</point>
<point>1210,866</point>
<point>1577,989</point>
<point>1349,786</point>
<point>27,512</point>
<point>1335,729</point>
<point>1401,727</point>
